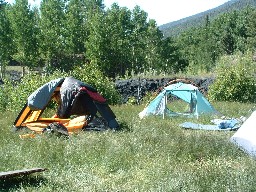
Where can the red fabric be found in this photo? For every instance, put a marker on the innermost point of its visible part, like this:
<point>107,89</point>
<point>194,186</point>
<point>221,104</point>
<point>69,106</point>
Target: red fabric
<point>94,95</point>
<point>55,116</point>
<point>82,89</point>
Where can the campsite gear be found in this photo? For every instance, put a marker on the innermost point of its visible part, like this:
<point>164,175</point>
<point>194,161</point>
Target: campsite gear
<point>184,91</point>
<point>56,127</point>
<point>8,174</point>
<point>245,137</point>
<point>225,125</point>
<point>97,124</point>
<point>29,135</point>
<point>74,98</point>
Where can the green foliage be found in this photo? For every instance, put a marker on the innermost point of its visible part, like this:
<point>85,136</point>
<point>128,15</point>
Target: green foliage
<point>25,33</point>
<point>75,26</point>
<point>173,60</point>
<point>5,91</point>
<point>64,34</point>
<point>52,36</point>
<point>123,41</point>
<point>250,25</point>
<point>148,97</point>
<point>235,79</point>
<point>92,75</point>
<point>13,97</point>
<point>131,101</point>
<point>227,34</point>
<point>110,44</point>
<point>6,42</point>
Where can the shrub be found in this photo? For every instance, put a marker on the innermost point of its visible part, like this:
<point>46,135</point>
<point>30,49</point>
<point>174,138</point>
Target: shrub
<point>6,89</point>
<point>13,97</point>
<point>132,101</point>
<point>92,75</point>
<point>235,80</point>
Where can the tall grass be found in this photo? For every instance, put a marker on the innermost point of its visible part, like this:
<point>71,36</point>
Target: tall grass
<point>152,154</point>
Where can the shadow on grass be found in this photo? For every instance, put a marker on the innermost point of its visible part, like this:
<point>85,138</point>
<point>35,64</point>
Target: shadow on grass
<point>15,183</point>
<point>99,128</point>
<point>123,126</point>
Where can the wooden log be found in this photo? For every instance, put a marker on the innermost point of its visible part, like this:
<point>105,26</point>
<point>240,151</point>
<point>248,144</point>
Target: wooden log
<point>22,172</point>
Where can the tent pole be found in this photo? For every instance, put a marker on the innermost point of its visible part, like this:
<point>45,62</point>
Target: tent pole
<point>165,103</point>
<point>196,106</point>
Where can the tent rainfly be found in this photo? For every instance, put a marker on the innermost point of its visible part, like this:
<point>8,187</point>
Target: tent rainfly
<point>188,93</point>
<point>245,136</point>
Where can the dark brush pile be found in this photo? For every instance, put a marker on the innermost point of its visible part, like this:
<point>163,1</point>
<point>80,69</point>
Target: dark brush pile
<point>138,88</point>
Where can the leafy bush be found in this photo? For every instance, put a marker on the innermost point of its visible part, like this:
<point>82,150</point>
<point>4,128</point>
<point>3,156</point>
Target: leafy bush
<point>131,101</point>
<point>6,89</point>
<point>13,97</point>
<point>92,75</point>
<point>235,79</point>
<point>148,97</point>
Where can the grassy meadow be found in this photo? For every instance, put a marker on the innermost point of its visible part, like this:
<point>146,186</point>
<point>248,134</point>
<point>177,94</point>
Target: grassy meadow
<point>152,154</point>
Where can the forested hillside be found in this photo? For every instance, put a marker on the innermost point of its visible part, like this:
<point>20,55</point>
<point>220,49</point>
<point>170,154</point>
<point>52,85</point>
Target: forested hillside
<point>176,27</point>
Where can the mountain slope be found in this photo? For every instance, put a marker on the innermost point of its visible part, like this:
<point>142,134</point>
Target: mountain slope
<point>176,27</point>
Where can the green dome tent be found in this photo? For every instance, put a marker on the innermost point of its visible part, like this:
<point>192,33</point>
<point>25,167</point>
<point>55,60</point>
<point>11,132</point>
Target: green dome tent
<point>187,92</point>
